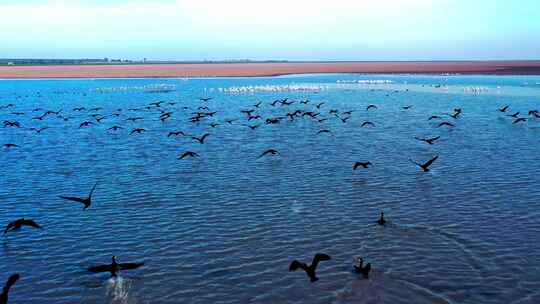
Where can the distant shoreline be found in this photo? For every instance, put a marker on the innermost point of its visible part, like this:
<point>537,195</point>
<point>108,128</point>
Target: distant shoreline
<point>258,69</point>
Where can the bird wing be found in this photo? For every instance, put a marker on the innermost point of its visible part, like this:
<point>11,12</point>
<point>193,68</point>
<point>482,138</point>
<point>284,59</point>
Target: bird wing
<point>205,136</point>
<point>296,264</point>
<point>30,223</point>
<point>9,226</point>
<point>72,198</point>
<point>127,266</point>
<point>12,280</point>
<point>318,258</point>
<point>100,268</point>
<point>92,191</point>
<point>429,162</point>
<point>356,165</point>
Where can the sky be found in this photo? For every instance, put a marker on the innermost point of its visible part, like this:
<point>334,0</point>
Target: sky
<point>271,29</point>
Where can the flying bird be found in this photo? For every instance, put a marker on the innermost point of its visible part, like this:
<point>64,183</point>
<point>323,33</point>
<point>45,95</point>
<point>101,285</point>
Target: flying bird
<point>201,139</point>
<point>425,166</point>
<point>310,269</point>
<point>269,151</point>
<point>137,130</point>
<point>17,224</point>
<point>188,154</point>
<point>5,291</point>
<point>114,267</point>
<point>205,98</point>
<point>503,109</point>
<point>38,131</point>
<point>519,120</point>
<point>10,145</point>
<point>445,123</point>
<point>85,124</point>
<point>429,141</point>
<point>177,133</point>
<point>85,201</point>
<point>367,123</point>
<point>323,131</point>
<point>115,128</point>
<point>371,106</point>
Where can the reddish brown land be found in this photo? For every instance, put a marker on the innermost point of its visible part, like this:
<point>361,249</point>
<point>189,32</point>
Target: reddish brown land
<point>268,69</point>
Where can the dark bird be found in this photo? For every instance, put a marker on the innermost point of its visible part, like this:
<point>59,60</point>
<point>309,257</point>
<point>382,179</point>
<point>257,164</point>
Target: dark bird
<point>213,125</point>
<point>86,124</point>
<point>188,153</point>
<point>371,106</point>
<point>134,119</point>
<point>137,130</point>
<point>406,107</point>
<point>519,120</point>
<point>202,138</point>
<point>503,109</point>
<point>425,167</point>
<point>318,106</point>
<point>533,112</point>
<point>428,140</point>
<point>344,120</point>
<point>455,115</point>
<point>434,117</point>
<point>269,151</point>
<point>39,130</point>
<point>272,120</point>
<point>115,128</point>
<point>8,123</point>
<point>257,104</point>
<point>177,133</point>
<point>361,164</point>
<point>324,131</point>
<point>79,109</point>
<point>275,102</point>
<point>5,291</point>
<point>99,119</point>
<point>157,103</point>
<point>515,115</point>
<point>252,127</point>
<point>205,98</point>
<point>254,117</point>
<point>248,112</point>
<point>445,123</point>
<point>10,145</point>
<point>360,268</point>
<point>85,201</point>
<point>367,123</point>
<point>230,121</point>
<point>322,120</point>
<point>310,269</point>
<point>114,267</point>
<point>305,102</point>
<point>17,224</point>
<point>381,221</point>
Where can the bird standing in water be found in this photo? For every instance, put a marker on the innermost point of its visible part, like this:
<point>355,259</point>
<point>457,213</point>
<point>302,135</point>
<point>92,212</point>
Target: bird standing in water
<point>114,267</point>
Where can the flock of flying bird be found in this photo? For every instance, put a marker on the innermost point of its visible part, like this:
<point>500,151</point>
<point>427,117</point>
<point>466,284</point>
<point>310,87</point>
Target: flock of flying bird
<point>92,116</point>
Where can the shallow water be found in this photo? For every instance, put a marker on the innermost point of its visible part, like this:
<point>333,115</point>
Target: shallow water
<point>224,227</point>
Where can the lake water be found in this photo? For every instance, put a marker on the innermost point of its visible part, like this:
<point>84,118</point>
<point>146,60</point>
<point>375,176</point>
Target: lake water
<point>223,228</point>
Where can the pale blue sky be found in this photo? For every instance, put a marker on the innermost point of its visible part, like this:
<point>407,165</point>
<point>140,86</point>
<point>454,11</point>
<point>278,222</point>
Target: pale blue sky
<point>272,29</point>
